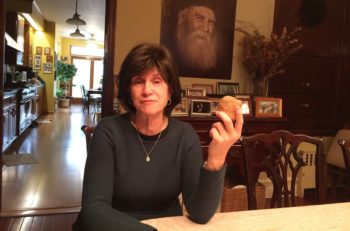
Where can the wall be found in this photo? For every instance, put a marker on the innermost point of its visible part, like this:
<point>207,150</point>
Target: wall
<point>139,21</point>
<point>66,43</point>
<point>46,39</point>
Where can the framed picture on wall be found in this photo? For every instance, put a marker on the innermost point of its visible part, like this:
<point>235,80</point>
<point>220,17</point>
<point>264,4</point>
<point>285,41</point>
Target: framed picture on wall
<point>38,50</point>
<point>47,51</point>
<point>49,58</point>
<point>212,56</point>
<point>268,107</point>
<point>47,68</point>
<point>37,62</point>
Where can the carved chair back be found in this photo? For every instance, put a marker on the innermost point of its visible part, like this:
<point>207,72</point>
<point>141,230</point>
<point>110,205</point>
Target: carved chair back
<point>278,154</point>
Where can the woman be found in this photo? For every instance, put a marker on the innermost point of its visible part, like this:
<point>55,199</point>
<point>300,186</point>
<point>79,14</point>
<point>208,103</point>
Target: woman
<point>140,161</point>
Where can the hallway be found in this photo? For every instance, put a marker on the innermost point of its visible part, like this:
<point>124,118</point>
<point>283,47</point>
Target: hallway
<point>55,181</point>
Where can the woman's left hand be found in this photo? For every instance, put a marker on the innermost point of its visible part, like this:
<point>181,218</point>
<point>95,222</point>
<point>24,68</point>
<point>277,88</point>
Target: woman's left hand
<point>224,134</point>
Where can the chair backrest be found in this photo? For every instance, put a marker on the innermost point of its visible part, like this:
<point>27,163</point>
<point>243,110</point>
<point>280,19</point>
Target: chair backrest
<point>83,90</point>
<point>277,154</point>
<point>88,131</point>
<point>345,147</point>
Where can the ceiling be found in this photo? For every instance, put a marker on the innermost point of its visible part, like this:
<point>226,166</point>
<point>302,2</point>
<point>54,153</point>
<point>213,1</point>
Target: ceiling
<point>91,11</point>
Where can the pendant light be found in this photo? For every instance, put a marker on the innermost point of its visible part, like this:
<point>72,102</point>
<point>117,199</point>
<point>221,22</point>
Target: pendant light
<point>76,20</point>
<point>77,34</point>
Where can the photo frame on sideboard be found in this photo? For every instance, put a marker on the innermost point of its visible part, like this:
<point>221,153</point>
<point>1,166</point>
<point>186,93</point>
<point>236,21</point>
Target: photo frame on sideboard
<point>182,109</point>
<point>209,88</point>
<point>247,109</point>
<point>268,107</point>
<point>225,88</point>
<point>201,107</point>
<point>195,92</point>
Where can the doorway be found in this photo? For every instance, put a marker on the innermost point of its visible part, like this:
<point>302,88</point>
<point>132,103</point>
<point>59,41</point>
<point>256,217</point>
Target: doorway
<point>89,74</point>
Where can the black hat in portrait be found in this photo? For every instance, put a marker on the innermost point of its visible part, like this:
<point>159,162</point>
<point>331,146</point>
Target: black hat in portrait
<point>199,33</point>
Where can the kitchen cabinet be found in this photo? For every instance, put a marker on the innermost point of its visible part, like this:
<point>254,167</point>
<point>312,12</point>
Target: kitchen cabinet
<point>10,102</point>
<point>14,39</point>
<point>315,87</point>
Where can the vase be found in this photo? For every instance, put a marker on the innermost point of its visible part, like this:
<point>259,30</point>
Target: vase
<point>261,87</point>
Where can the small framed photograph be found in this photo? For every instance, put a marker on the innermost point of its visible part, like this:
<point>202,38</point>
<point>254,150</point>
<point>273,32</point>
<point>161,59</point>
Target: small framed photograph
<point>200,107</point>
<point>183,93</point>
<point>214,104</point>
<point>181,109</point>
<point>246,107</point>
<point>38,50</point>
<point>49,58</point>
<point>37,62</point>
<point>47,68</point>
<point>224,88</point>
<point>268,107</point>
<point>209,88</point>
<point>195,92</point>
<point>47,51</point>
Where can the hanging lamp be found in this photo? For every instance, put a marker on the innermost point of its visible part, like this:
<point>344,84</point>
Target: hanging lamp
<point>77,34</point>
<point>76,20</point>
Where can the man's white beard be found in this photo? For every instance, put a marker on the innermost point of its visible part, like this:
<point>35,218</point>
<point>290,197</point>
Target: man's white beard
<point>200,53</point>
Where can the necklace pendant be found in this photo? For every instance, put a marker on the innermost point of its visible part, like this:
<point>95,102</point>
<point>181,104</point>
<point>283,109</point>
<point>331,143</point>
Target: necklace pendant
<point>148,159</point>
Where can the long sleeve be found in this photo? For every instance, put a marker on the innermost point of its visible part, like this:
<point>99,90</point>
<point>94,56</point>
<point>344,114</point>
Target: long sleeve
<point>121,188</point>
<point>98,188</point>
<point>202,189</point>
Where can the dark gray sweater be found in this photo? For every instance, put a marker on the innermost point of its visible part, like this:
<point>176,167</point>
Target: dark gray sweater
<point>120,187</point>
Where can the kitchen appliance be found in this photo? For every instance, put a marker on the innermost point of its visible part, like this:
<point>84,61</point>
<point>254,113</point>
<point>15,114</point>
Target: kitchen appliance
<point>27,95</point>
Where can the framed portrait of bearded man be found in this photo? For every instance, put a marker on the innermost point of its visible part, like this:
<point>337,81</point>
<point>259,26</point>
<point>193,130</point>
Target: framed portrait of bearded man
<point>199,34</point>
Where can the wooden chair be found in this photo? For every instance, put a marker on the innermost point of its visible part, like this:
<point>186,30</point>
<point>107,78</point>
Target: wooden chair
<point>84,98</point>
<point>345,147</point>
<point>338,165</point>
<point>88,131</point>
<point>277,154</point>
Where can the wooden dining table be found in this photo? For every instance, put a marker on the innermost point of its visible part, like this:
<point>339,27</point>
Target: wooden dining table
<point>330,217</point>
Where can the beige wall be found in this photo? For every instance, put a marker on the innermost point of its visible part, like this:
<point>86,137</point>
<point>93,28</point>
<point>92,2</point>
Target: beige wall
<point>139,21</point>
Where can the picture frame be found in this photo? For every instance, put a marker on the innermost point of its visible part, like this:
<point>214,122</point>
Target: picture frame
<point>268,107</point>
<point>225,88</point>
<point>195,92</point>
<point>37,62</point>
<point>49,58</point>
<point>38,50</point>
<point>201,107</point>
<point>47,51</point>
<point>214,104</point>
<point>209,88</point>
<point>181,109</point>
<point>247,109</point>
<point>47,68</point>
<point>183,93</point>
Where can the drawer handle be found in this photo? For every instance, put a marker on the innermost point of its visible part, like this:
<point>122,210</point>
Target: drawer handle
<point>307,84</point>
<point>304,105</point>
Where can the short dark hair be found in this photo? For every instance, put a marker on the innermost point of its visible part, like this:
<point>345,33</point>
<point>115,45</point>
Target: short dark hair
<point>143,58</point>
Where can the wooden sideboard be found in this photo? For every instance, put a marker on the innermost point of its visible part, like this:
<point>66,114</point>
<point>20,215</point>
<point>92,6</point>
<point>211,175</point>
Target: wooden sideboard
<point>251,126</point>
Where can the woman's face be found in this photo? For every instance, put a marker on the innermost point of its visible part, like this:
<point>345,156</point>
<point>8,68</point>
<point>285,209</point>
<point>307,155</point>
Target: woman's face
<point>149,93</point>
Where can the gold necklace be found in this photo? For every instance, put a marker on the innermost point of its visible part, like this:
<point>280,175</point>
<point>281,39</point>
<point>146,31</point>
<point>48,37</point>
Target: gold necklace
<point>148,158</point>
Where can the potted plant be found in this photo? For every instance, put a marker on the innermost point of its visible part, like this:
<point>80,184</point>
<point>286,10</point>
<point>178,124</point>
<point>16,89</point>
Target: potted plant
<point>264,57</point>
<point>65,73</point>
